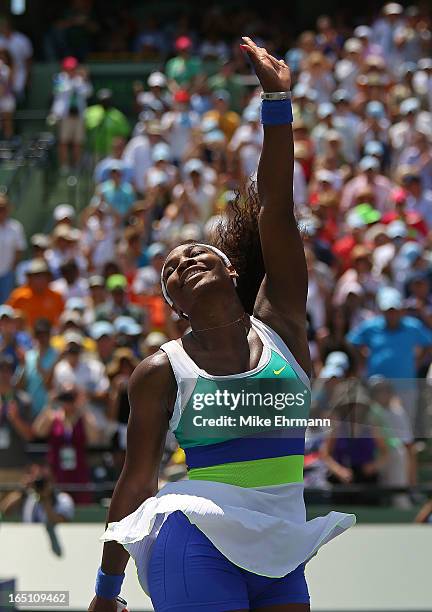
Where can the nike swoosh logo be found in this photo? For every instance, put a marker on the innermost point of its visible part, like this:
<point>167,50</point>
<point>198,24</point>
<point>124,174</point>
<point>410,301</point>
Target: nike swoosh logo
<point>277,372</point>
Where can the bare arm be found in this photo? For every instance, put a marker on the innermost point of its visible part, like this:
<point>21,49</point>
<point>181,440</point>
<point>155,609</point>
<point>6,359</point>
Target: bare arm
<point>282,298</point>
<point>152,390</point>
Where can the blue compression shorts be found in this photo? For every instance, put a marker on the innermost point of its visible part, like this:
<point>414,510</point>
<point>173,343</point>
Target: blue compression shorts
<point>187,573</point>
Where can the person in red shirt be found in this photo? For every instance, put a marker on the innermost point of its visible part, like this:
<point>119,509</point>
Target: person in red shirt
<point>35,299</point>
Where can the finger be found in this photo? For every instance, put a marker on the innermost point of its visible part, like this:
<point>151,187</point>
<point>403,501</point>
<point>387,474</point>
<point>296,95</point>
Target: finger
<point>250,42</point>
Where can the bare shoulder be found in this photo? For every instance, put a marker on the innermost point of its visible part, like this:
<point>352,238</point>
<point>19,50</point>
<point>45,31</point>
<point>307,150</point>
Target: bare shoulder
<point>155,371</point>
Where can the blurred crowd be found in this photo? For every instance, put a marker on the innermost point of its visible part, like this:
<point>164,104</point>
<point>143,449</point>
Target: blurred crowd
<point>82,304</point>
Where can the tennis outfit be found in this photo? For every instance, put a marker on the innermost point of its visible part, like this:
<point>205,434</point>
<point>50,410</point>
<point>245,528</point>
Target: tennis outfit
<point>235,534</point>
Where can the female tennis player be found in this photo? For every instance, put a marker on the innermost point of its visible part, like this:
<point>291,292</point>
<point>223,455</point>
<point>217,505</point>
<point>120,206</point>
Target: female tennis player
<point>234,536</point>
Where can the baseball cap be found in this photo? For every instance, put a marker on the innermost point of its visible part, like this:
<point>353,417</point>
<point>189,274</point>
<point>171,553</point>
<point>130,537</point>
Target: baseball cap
<point>392,9</point>
<point>37,266</point>
<point>181,96</point>
<point>397,229</point>
<point>251,114</point>
<point>353,45</point>
<point>7,312</point>
<point>411,251</point>
<point>332,371</point>
<point>100,329</point>
<point>96,281</point>
<point>375,109</point>
<point>157,79</point>
<point>63,211</point>
<point>155,339</point>
<point>157,248</point>
<point>325,176</point>
<point>425,63</point>
<point>40,241</point>
<point>325,109</point>
<point>72,337</point>
<point>354,221</point>
<point>127,325</point>
<point>69,63</point>
<point>70,316</point>
<point>410,105</point>
<point>389,298</point>
<point>367,213</point>
<point>182,43</point>
<point>161,152</point>
<point>338,359</point>
<point>341,95</point>
<point>374,147</point>
<point>157,178</point>
<point>193,165</point>
<point>222,94</point>
<point>208,124</point>
<point>369,163</point>
<point>116,281</point>
<point>363,31</point>
<point>75,303</point>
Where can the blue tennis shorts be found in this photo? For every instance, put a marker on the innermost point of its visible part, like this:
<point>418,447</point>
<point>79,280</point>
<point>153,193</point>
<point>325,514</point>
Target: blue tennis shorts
<point>186,572</point>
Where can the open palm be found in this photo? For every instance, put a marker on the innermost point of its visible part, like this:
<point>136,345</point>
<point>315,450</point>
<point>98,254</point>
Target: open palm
<point>273,74</point>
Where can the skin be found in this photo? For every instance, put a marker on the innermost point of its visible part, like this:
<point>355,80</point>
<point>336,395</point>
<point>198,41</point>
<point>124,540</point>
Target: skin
<point>210,300</point>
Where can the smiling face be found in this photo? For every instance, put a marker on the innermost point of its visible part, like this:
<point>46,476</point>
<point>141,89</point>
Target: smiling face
<point>193,270</point>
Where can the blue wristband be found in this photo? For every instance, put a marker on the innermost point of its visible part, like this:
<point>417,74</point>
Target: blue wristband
<point>276,112</point>
<point>108,586</point>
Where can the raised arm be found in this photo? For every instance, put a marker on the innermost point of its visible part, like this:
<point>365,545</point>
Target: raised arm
<point>282,298</point>
<point>150,405</point>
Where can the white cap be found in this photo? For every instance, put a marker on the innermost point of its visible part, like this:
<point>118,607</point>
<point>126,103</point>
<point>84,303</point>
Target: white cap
<point>393,8</point>
<point>63,211</point>
<point>353,45</point>
<point>157,79</point>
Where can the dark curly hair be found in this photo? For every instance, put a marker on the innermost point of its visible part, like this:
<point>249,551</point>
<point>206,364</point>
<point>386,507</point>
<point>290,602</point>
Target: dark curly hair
<point>237,235</point>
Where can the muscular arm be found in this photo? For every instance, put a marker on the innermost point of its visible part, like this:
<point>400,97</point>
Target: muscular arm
<point>281,300</point>
<point>152,391</point>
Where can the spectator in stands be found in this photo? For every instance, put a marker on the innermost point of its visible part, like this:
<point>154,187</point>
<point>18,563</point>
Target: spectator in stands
<point>103,333</point>
<point>104,122</point>
<point>12,245</point>
<point>15,425</point>
<point>39,501</point>
<point>157,93</point>
<point>13,343</point>
<point>389,415</point>
<point>117,304</point>
<point>21,51</point>
<point>37,374</point>
<point>185,67</point>
<point>71,90</point>
<point>226,119</point>
<point>40,243</point>
<point>355,451</point>
<point>75,369</point>
<point>7,97</point>
<point>103,168</point>
<point>118,193</point>
<point>70,427</point>
<point>179,124</point>
<point>71,284</point>
<point>35,299</point>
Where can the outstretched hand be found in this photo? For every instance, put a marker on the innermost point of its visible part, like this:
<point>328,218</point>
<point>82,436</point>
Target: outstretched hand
<point>273,74</point>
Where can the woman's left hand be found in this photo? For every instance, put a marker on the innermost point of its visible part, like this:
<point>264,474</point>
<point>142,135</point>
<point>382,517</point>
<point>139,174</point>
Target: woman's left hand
<point>273,74</point>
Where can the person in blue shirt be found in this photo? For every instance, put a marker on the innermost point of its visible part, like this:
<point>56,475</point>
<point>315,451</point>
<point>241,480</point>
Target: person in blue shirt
<point>13,343</point>
<point>117,193</point>
<point>392,341</point>
<point>36,375</point>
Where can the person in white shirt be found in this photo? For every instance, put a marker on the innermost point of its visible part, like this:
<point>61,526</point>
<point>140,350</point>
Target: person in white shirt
<point>12,245</point>
<point>179,124</point>
<point>71,91</point>
<point>199,192</point>
<point>21,50</point>
<point>247,140</point>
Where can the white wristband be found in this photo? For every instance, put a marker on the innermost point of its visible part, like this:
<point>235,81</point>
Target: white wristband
<point>276,95</point>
